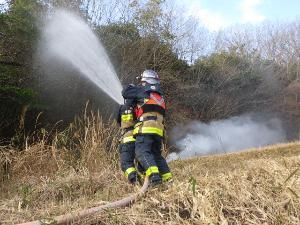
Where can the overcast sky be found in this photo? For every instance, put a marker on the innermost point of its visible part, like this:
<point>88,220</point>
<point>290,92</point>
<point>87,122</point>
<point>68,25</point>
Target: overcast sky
<point>217,14</point>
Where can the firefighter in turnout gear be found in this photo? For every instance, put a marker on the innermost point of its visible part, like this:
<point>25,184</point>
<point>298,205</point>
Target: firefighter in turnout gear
<point>149,130</point>
<point>126,119</point>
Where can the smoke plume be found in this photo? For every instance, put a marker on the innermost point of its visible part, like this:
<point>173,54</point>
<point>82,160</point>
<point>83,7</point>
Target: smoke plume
<point>229,135</point>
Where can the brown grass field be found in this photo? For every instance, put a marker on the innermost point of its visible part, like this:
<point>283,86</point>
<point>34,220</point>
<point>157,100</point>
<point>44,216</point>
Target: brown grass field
<point>257,186</point>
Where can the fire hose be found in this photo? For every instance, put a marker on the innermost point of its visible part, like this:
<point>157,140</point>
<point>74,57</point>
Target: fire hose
<point>76,216</point>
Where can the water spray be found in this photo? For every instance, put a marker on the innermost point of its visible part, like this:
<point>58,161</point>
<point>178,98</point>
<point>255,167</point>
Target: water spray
<point>69,38</point>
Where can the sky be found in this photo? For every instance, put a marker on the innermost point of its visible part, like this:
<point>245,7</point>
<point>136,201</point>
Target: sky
<point>218,14</point>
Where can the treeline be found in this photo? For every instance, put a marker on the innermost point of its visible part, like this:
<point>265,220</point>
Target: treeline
<point>205,76</point>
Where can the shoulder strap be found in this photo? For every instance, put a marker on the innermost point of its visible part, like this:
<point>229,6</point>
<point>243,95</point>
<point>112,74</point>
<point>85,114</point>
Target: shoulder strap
<point>160,101</point>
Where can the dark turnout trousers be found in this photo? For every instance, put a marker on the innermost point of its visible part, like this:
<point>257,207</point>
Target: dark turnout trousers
<point>127,156</point>
<point>148,153</point>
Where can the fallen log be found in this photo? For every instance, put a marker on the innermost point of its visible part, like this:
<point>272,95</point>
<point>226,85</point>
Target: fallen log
<point>10,63</point>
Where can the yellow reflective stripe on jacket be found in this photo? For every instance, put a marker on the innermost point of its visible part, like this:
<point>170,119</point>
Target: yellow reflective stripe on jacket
<point>136,130</point>
<point>127,117</point>
<point>129,171</point>
<point>128,139</point>
<point>151,169</point>
<point>148,130</point>
<point>166,176</point>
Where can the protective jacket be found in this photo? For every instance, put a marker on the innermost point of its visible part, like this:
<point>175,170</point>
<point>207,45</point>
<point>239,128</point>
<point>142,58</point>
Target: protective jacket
<point>150,108</point>
<point>126,119</point>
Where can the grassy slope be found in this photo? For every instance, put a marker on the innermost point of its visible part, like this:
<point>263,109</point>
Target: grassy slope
<point>259,186</point>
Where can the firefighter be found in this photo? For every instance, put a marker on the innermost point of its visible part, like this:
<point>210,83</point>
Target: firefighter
<point>126,119</point>
<point>149,130</point>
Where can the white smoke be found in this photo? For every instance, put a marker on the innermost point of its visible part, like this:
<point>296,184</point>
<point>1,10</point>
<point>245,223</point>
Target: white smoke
<point>68,38</point>
<point>233,134</point>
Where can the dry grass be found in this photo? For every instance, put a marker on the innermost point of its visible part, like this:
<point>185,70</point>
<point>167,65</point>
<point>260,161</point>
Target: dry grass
<point>253,187</point>
<point>79,169</point>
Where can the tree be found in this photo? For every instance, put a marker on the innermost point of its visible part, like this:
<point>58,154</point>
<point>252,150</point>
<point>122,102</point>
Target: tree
<point>19,35</point>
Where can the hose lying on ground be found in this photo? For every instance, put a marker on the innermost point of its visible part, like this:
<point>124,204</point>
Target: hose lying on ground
<point>76,216</point>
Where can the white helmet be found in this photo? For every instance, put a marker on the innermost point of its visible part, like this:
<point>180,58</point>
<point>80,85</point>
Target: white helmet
<point>150,76</point>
